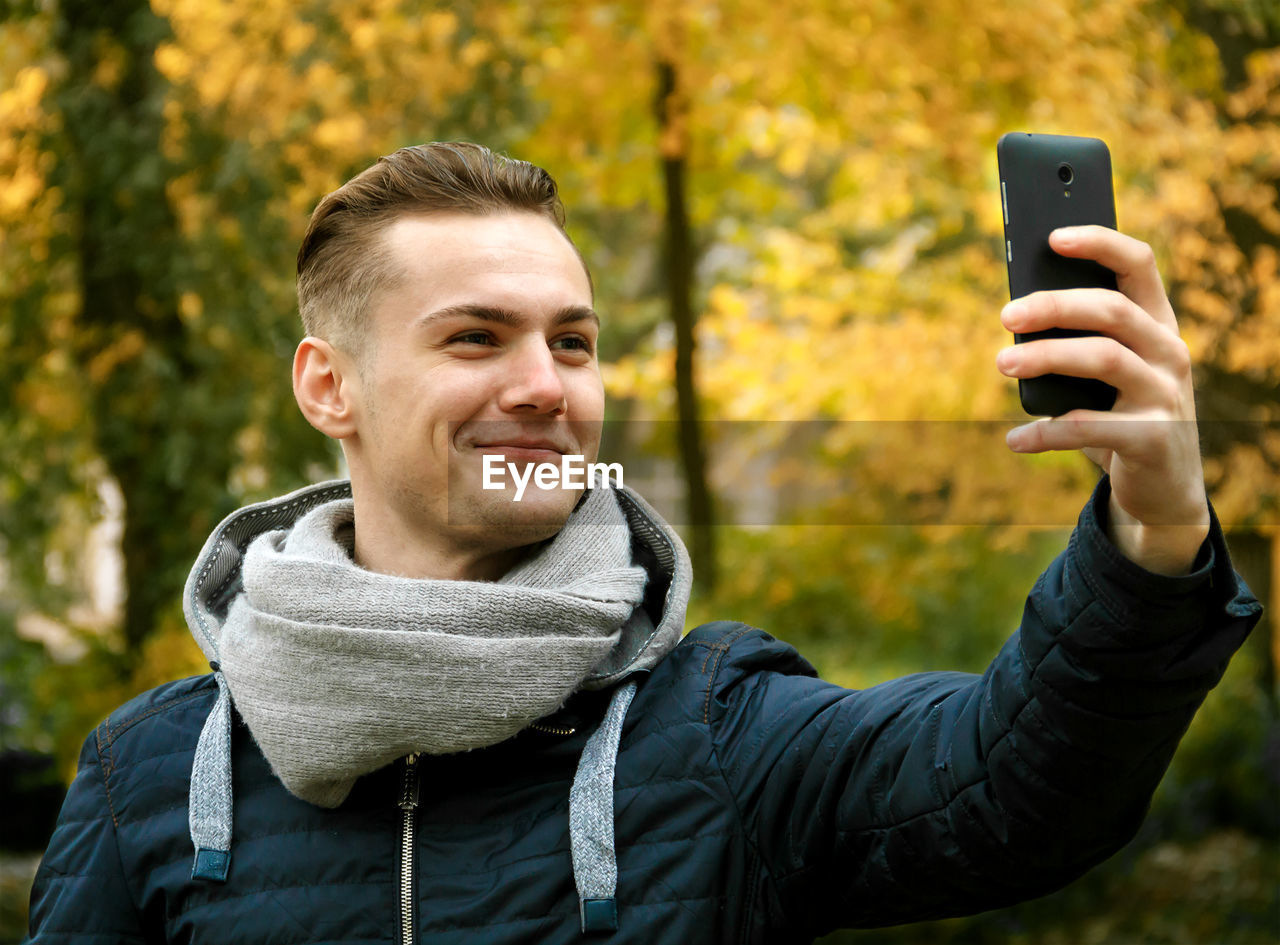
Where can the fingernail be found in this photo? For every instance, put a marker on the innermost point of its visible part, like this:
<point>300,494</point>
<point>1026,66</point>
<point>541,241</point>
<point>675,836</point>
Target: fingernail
<point>1014,439</point>
<point>1008,359</point>
<point>1013,313</point>
<point>1065,235</point>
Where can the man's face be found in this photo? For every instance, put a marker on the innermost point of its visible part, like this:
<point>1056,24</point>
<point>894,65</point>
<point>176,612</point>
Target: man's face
<point>485,345</point>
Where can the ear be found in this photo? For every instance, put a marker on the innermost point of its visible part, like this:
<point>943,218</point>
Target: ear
<point>326,386</point>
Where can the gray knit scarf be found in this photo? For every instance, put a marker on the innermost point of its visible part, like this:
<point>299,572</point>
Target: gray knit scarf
<point>275,596</point>
<point>339,671</point>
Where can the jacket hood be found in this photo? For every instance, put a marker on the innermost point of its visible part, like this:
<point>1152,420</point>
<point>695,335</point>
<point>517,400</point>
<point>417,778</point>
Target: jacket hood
<point>216,579</point>
<point>655,625</point>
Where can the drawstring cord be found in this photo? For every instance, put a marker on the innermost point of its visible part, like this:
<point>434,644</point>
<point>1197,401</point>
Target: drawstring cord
<point>210,804</point>
<point>591,840</point>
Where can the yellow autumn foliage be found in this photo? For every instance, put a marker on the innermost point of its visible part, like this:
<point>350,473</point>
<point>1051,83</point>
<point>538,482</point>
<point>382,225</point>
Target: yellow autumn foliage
<point>842,188</point>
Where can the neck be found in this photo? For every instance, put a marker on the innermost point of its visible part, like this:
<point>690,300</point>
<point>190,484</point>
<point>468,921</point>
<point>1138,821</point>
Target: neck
<point>386,555</point>
<point>384,545</point>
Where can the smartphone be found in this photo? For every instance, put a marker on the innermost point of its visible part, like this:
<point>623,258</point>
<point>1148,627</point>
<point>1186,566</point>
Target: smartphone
<point>1048,181</point>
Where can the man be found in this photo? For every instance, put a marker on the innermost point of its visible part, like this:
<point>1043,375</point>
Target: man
<point>438,714</point>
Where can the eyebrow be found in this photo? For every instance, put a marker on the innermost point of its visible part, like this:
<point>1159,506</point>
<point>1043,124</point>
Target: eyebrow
<point>505,316</point>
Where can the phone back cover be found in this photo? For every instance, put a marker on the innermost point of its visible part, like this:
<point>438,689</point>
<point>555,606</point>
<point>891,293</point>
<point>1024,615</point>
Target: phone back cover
<point>1036,202</point>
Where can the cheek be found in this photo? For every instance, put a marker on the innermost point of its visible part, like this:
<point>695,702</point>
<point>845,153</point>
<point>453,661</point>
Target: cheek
<point>588,414</point>
<point>453,397</point>
<point>588,394</point>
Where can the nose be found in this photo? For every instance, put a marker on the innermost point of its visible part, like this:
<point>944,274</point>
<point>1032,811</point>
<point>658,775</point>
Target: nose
<point>534,384</point>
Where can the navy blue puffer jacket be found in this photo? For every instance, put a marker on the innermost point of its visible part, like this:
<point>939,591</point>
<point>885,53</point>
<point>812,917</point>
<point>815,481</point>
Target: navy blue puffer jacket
<point>753,801</point>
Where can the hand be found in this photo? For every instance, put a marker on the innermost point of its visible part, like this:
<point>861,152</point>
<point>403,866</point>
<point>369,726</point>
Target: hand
<point>1148,442</point>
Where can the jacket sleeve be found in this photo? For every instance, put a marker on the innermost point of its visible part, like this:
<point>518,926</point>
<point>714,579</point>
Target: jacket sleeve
<point>80,894</point>
<point>942,794</point>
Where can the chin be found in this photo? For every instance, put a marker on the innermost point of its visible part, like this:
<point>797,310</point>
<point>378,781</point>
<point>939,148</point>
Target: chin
<point>537,516</point>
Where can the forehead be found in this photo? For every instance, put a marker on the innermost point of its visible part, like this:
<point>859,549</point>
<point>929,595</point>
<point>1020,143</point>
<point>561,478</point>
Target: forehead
<point>448,254</point>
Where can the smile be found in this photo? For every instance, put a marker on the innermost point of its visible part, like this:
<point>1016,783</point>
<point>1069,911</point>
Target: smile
<point>522,454</point>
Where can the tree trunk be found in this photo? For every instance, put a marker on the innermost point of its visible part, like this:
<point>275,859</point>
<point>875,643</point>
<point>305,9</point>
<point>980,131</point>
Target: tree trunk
<point>131,342</point>
<point>678,258</point>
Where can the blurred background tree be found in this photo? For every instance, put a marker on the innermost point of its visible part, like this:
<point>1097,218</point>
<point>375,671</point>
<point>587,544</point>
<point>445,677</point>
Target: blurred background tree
<point>791,212</point>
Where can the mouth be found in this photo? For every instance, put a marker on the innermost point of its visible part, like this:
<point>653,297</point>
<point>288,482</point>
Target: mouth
<point>522,454</point>
<point>534,441</point>
<point>523,449</point>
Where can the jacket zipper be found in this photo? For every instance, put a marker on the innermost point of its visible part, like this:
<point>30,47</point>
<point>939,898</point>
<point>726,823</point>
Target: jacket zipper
<point>408,805</point>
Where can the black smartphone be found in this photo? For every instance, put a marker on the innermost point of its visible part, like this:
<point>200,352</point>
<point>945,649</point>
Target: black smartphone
<point>1048,181</point>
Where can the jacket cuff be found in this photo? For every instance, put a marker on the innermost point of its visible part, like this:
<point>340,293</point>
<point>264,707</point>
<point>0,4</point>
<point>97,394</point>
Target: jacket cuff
<point>1126,587</point>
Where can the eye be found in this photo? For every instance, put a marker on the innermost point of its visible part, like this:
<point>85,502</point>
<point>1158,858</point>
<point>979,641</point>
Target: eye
<point>573,343</point>
<point>472,338</point>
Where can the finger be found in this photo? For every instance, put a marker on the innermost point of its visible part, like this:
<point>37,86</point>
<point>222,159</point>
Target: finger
<point>1097,357</point>
<point>1094,430</point>
<point>1130,259</point>
<point>1101,310</point>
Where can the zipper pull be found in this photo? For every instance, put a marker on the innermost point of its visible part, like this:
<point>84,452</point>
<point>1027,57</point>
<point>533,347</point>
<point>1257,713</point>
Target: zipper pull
<point>409,793</point>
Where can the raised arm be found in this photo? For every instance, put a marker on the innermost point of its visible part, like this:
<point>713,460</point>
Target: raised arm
<point>943,793</point>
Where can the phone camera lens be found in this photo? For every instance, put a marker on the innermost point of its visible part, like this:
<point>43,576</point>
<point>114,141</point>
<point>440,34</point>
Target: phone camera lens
<point>1065,174</point>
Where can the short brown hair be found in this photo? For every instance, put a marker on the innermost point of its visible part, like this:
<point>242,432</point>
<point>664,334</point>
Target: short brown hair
<point>341,263</point>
